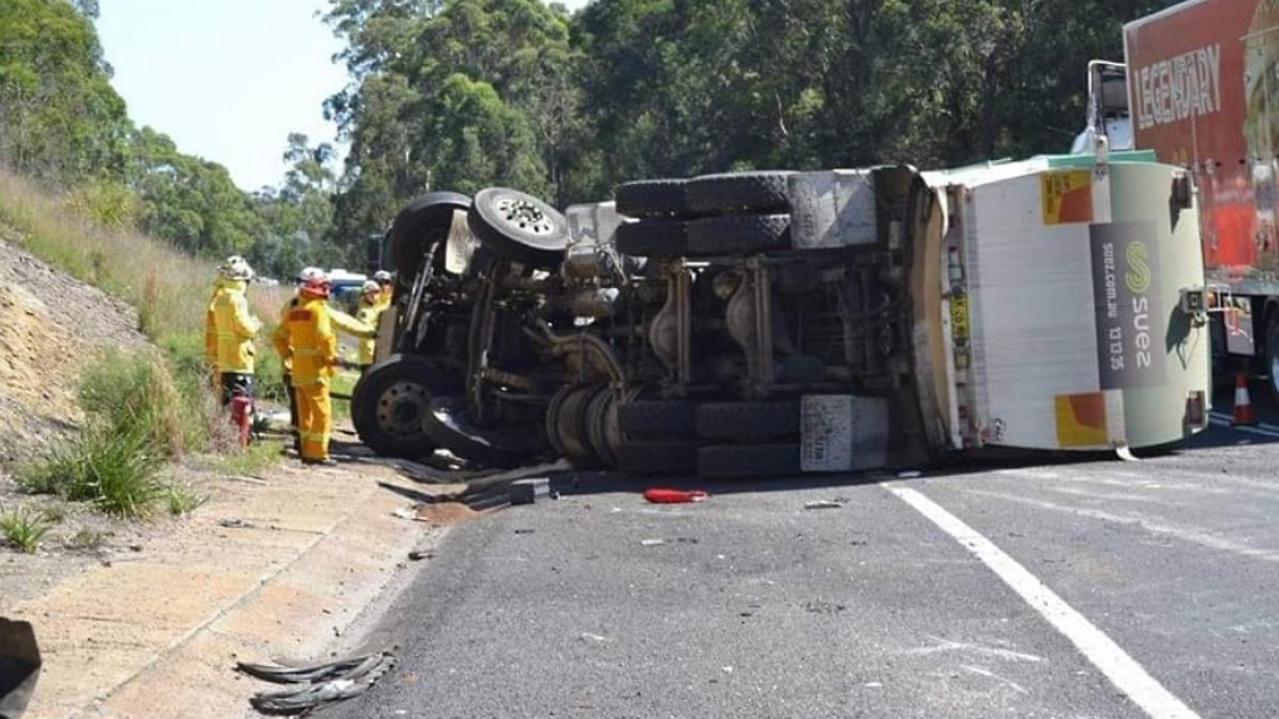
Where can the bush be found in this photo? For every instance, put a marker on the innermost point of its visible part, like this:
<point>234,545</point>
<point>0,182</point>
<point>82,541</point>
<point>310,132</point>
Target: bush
<point>23,530</point>
<point>183,500</point>
<point>136,394</point>
<point>115,470</point>
<point>109,204</point>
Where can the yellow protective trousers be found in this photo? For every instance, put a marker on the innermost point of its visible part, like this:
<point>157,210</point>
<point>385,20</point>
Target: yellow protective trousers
<point>315,420</point>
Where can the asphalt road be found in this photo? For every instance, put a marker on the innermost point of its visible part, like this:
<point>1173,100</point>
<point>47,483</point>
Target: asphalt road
<point>1099,589</point>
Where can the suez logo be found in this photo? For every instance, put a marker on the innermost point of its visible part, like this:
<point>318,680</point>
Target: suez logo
<point>1174,89</point>
<point>1125,263</point>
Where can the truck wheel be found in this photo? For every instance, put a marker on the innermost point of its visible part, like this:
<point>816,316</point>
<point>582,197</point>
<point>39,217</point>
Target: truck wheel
<point>602,429</point>
<point>674,456</point>
<point>1272,353</point>
<point>748,460</point>
<point>653,198</point>
<point>747,421</point>
<point>656,418</point>
<point>390,401</point>
<point>566,425</point>
<point>653,238</point>
<point>448,425</point>
<point>758,192</point>
<point>421,224</point>
<point>519,227</point>
<point>738,234</point>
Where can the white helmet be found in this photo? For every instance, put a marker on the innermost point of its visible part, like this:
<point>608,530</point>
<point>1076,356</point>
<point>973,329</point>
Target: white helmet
<point>381,276</point>
<point>309,273</point>
<point>236,268</point>
<point>370,286</point>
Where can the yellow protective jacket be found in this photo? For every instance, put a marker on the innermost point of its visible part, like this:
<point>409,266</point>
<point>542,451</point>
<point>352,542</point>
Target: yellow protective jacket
<point>235,328</point>
<point>211,333</point>
<point>385,296</point>
<point>280,335</point>
<point>312,341</point>
<point>368,314</point>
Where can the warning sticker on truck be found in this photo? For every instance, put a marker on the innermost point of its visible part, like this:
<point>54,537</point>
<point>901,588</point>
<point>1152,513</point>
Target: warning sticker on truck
<point>1066,196</point>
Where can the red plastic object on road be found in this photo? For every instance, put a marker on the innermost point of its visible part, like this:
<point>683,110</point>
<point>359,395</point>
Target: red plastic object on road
<point>1243,415</point>
<point>661,495</point>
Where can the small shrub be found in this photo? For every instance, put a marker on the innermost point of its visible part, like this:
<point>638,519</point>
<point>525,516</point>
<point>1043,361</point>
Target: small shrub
<point>251,460</point>
<point>111,205</point>
<point>113,470</point>
<point>23,529</point>
<point>183,500</point>
<point>135,394</point>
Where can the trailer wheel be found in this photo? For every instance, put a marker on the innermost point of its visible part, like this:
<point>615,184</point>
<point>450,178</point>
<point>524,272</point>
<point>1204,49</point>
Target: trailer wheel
<point>738,234</point>
<point>519,227</point>
<point>653,238</point>
<point>448,425</point>
<point>656,418</point>
<point>421,224</point>
<point>748,460</point>
<point>672,456</point>
<point>748,421</point>
<point>737,192</point>
<point>653,198</point>
<point>390,401</point>
<point>566,424</point>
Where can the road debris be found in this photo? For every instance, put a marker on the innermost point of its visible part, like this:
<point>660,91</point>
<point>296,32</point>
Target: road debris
<point>824,504</point>
<point>526,491</point>
<point>652,542</point>
<point>663,495</point>
<point>409,513</point>
<point>316,686</point>
<point>235,523</point>
<point>593,637</point>
<point>910,474</point>
<point>418,555</point>
<point>524,531</point>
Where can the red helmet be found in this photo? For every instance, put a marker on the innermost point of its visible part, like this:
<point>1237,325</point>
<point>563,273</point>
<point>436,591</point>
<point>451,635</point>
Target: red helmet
<point>316,287</point>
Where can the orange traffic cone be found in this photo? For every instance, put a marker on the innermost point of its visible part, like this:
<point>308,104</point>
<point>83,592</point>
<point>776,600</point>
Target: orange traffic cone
<point>1243,403</point>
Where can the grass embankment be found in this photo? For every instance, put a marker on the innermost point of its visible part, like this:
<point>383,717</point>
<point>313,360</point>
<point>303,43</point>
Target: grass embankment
<point>143,409</point>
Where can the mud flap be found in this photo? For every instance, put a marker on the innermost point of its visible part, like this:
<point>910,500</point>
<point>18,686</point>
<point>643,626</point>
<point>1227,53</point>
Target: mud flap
<point>842,433</point>
<point>19,667</point>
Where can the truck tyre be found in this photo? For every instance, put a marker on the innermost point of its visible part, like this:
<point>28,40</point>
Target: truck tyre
<point>450,428</point>
<point>655,418</point>
<point>390,401</point>
<point>748,421</point>
<point>739,192</point>
<point>421,224</point>
<point>1272,353</point>
<point>748,460</point>
<point>673,456</point>
<point>519,227</point>
<point>738,234</point>
<point>653,198</point>
<point>653,238</point>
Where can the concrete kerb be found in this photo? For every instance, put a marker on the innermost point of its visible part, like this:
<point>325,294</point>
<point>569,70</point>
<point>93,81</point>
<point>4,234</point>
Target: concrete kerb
<point>160,636</point>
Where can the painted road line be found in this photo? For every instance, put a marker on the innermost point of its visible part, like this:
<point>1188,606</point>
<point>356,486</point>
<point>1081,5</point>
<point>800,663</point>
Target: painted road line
<point>1122,670</point>
<point>1258,431</point>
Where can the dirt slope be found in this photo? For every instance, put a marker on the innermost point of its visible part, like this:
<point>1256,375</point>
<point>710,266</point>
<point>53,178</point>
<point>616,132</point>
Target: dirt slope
<point>50,324</point>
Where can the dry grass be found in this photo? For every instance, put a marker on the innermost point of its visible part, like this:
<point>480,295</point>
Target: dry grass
<point>167,286</point>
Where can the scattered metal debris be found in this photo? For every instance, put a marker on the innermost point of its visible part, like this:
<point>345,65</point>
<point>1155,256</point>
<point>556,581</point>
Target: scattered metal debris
<point>526,491</point>
<point>824,504</point>
<point>317,686</point>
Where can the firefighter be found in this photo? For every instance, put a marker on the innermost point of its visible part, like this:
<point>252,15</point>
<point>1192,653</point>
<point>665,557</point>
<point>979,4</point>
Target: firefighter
<point>234,330</point>
<point>386,285</point>
<point>313,347</point>
<point>280,340</point>
<point>370,309</point>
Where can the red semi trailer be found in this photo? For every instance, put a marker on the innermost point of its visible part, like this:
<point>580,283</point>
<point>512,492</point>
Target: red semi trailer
<point>1203,93</point>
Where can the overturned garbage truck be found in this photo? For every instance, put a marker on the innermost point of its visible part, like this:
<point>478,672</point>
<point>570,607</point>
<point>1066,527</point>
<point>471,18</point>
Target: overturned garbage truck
<point>772,323</point>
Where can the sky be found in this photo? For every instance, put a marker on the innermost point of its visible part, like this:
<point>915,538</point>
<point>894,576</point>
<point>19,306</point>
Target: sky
<point>227,80</point>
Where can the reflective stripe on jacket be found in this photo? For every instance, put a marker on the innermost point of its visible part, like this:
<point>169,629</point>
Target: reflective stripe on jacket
<point>313,341</point>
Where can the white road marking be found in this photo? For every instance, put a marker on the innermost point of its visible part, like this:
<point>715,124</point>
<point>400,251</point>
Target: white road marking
<point>1122,670</point>
<point>1193,535</point>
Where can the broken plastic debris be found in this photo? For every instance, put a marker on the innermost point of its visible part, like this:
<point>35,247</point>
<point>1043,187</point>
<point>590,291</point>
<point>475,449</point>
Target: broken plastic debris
<point>316,686</point>
<point>823,504</point>
<point>235,523</point>
<point>652,542</point>
<point>1125,453</point>
<point>594,637</point>
<point>405,513</point>
<point>663,495</point>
